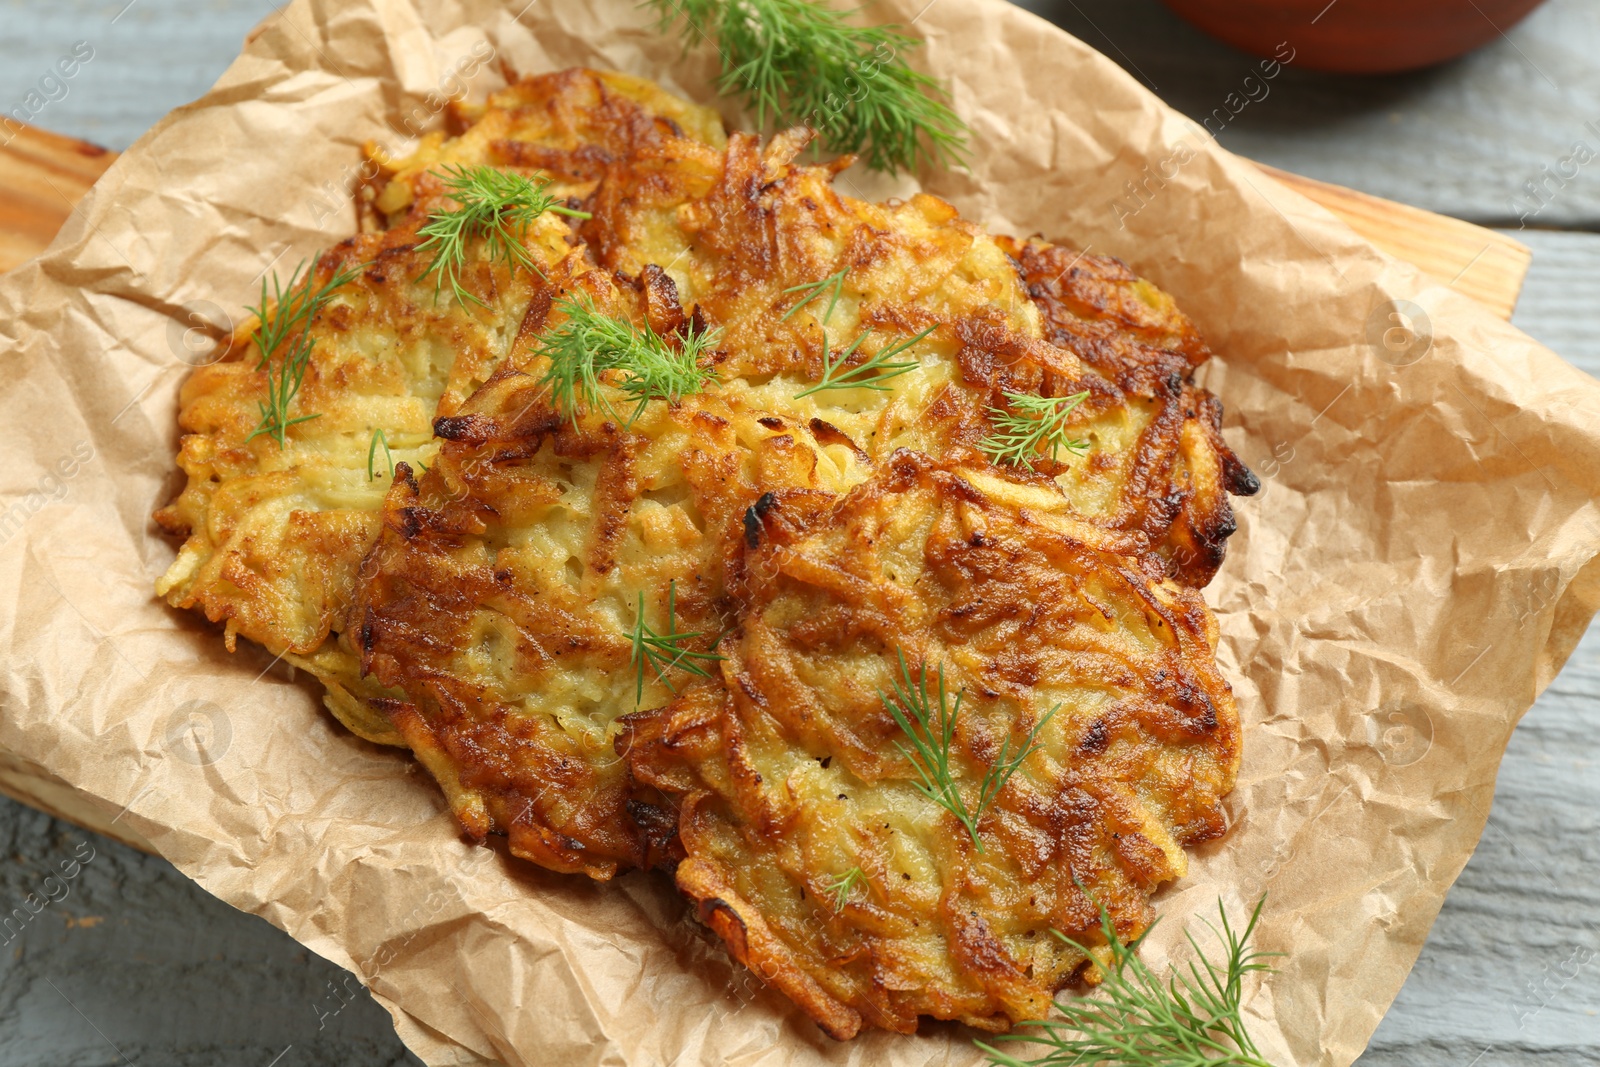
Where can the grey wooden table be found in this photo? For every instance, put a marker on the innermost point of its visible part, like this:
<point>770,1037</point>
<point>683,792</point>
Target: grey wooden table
<point>140,967</point>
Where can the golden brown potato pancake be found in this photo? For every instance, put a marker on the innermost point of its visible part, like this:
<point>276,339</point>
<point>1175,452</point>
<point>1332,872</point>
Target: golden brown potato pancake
<point>273,539</point>
<point>789,771</point>
<point>1158,465</point>
<point>489,615</point>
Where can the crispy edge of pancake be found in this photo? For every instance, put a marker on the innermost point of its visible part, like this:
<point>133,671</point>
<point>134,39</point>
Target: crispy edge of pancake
<point>1133,335</point>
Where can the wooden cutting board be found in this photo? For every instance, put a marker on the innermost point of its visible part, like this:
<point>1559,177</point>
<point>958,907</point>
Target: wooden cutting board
<point>43,176</point>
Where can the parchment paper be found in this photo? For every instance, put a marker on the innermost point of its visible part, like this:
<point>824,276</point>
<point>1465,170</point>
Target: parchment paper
<point>1420,563</point>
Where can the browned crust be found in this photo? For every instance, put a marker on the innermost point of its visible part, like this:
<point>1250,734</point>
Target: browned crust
<point>562,805</point>
<point>1143,348</point>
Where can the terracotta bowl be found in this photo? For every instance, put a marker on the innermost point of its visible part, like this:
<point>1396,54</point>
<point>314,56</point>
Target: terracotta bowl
<point>1356,36</point>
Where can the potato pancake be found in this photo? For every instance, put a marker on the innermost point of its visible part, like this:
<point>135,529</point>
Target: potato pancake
<point>635,628</point>
<point>807,843</point>
<point>274,537</point>
<point>769,232</point>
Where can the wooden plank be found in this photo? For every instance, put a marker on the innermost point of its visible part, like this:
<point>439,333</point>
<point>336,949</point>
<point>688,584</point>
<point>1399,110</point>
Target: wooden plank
<point>43,175</point>
<point>162,972</point>
<point>1510,974</point>
<point>1562,296</point>
<point>148,57</point>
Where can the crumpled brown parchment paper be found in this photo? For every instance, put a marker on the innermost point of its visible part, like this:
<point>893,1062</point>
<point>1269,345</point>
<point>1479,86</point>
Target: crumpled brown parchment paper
<point>1420,563</point>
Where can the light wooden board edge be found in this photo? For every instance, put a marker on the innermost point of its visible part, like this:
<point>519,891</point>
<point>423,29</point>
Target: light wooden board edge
<point>44,175</point>
<point>30,784</point>
<point>1487,266</point>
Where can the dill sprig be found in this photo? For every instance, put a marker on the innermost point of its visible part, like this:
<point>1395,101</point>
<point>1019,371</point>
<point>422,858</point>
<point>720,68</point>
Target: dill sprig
<point>1035,425</point>
<point>378,438</point>
<point>798,61</point>
<point>497,206</point>
<point>869,374</point>
<point>931,729</point>
<point>1194,1019</point>
<point>812,290</point>
<point>662,652</point>
<point>283,323</point>
<point>587,344</point>
<point>290,308</point>
<point>842,886</point>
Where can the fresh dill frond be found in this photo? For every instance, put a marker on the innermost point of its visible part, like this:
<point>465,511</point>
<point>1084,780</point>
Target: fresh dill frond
<point>931,729</point>
<point>812,290</point>
<point>870,374</point>
<point>497,206</point>
<point>841,887</point>
<point>1193,1019</point>
<point>283,324</point>
<point>1035,425</point>
<point>1006,764</point>
<point>372,453</point>
<point>661,652</point>
<point>797,61</point>
<point>587,344</point>
<point>290,308</point>
<point>931,739</point>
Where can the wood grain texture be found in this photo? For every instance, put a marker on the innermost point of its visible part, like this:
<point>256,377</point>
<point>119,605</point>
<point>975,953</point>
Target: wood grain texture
<point>42,176</point>
<point>36,787</point>
<point>136,966</point>
<point>1510,976</point>
<point>174,977</point>
<point>1560,304</point>
<point>149,56</point>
